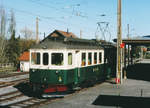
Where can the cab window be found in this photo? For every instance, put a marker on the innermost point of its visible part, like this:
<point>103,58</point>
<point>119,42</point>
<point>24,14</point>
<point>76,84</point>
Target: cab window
<point>45,58</point>
<point>35,58</point>
<point>57,59</point>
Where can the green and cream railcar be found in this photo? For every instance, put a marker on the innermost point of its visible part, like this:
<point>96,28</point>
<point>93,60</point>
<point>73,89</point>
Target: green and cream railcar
<point>58,64</point>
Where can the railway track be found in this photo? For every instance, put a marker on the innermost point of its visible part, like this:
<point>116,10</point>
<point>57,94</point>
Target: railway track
<point>13,74</point>
<point>28,103</point>
<point>10,96</point>
<point>10,83</point>
<point>16,99</point>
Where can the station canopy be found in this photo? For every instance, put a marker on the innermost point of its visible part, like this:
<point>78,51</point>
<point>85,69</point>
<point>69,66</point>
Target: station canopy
<point>139,40</point>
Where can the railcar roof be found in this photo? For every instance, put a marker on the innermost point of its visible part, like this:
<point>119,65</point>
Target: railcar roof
<point>60,42</point>
<point>68,44</point>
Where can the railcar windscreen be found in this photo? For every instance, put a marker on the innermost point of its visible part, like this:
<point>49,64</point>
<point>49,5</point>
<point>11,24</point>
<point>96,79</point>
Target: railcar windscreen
<point>57,59</point>
<point>45,58</point>
<point>35,58</point>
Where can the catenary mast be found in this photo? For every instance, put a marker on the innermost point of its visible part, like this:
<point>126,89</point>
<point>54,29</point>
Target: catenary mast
<point>119,42</point>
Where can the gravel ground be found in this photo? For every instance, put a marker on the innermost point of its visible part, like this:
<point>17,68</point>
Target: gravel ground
<point>131,89</point>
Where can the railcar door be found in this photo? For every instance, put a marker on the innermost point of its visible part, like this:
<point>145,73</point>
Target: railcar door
<point>78,64</point>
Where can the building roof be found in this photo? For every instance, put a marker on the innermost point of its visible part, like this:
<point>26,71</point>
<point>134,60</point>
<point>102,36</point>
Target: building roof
<point>24,56</point>
<point>58,33</point>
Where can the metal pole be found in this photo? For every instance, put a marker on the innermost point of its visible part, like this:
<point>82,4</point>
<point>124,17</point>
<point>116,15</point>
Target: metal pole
<point>44,35</point>
<point>37,31</point>
<point>132,54</point>
<point>125,63</point>
<point>80,33</point>
<point>119,41</point>
<point>141,52</point>
<point>128,55</point>
<point>128,30</point>
<point>128,26</point>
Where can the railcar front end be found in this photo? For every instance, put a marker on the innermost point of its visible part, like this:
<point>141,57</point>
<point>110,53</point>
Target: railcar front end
<point>51,70</point>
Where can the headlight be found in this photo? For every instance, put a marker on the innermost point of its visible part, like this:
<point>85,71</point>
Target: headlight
<point>57,72</point>
<point>33,70</point>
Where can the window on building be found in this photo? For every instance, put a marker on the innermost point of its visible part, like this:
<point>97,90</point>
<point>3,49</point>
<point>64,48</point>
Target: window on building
<point>57,59</point>
<point>95,58</point>
<point>83,59</point>
<point>35,58</point>
<point>89,58</point>
<point>100,57</point>
<point>45,58</point>
<point>69,58</point>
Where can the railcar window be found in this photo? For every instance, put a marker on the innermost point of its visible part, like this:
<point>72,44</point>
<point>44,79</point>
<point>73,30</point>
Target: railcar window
<point>35,58</point>
<point>100,57</point>
<point>45,58</point>
<point>95,58</point>
<point>83,59</point>
<point>57,59</point>
<point>89,58</point>
<point>69,58</point>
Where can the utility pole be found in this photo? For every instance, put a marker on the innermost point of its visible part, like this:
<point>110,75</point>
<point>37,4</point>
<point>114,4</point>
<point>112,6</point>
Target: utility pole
<point>44,35</point>
<point>119,42</point>
<point>37,30</point>
<point>128,26</point>
<point>80,33</point>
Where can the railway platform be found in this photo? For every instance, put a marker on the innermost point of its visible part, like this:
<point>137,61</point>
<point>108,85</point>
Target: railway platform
<point>131,94</point>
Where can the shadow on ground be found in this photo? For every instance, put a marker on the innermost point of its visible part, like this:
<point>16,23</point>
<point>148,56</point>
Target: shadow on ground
<point>122,101</point>
<point>139,71</point>
<point>26,90</point>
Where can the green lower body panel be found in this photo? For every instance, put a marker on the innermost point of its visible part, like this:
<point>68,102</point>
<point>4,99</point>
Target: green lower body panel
<point>91,73</point>
<point>53,77</point>
<point>67,77</point>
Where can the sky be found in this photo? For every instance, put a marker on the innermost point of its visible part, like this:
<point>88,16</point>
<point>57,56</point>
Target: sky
<point>81,15</point>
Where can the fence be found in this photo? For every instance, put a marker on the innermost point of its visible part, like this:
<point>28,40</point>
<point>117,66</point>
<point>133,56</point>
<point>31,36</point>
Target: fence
<point>6,67</point>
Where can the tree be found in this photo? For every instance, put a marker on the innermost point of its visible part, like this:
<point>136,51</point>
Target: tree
<point>12,24</point>
<point>2,35</point>
<point>26,44</point>
<point>27,33</point>
<point>13,47</point>
<point>28,39</point>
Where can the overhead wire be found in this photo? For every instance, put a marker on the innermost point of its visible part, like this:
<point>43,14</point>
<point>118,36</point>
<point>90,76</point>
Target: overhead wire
<point>64,11</point>
<point>73,13</point>
<point>41,16</point>
<point>36,15</point>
